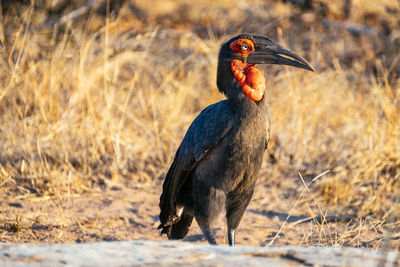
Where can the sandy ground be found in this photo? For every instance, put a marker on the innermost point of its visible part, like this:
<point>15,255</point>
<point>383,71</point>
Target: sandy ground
<point>131,213</point>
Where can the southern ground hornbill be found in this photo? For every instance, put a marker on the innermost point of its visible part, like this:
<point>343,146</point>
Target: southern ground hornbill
<point>216,166</point>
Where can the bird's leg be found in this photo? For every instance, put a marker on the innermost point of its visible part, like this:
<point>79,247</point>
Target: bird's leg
<point>208,234</point>
<point>235,206</point>
<point>231,237</point>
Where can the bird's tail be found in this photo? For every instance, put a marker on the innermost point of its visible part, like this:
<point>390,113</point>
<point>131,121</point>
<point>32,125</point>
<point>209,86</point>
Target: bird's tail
<point>179,229</point>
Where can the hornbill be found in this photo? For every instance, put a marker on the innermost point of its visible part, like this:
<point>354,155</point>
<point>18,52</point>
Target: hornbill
<point>216,165</point>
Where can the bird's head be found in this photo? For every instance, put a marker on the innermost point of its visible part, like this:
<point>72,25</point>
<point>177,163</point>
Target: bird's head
<point>239,56</point>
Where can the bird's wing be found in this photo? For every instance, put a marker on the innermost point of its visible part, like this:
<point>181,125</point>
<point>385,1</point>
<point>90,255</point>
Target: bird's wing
<point>205,132</point>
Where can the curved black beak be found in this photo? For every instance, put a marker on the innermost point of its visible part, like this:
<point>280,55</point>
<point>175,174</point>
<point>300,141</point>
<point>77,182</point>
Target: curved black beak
<point>268,52</point>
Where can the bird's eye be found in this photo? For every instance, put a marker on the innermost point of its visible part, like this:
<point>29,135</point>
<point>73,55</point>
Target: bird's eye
<point>245,47</point>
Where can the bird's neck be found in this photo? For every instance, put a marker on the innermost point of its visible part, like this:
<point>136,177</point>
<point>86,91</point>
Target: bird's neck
<point>241,103</point>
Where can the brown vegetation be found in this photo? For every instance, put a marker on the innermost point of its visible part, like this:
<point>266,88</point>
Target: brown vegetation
<point>93,109</point>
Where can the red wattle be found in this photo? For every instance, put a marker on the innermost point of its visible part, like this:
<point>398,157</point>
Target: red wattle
<point>250,78</point>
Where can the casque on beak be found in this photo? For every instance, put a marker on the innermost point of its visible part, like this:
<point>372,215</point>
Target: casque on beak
<point>268,52</point>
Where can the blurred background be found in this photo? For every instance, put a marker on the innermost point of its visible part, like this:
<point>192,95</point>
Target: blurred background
<point>96,96</point>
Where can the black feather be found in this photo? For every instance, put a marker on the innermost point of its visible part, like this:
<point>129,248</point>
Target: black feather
<point>205,132</point>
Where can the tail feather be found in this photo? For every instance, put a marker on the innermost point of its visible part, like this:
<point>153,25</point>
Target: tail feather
<point>180,229</point>
<point>171,186</point>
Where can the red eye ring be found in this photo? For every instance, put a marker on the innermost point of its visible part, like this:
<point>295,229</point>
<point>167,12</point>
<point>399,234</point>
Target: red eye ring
<point>242,46</point>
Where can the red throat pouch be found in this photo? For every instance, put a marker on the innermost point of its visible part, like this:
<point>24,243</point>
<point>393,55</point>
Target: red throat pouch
<point>250,78</point>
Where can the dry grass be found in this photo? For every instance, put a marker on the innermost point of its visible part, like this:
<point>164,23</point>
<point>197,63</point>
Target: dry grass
<point>105,102</point>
